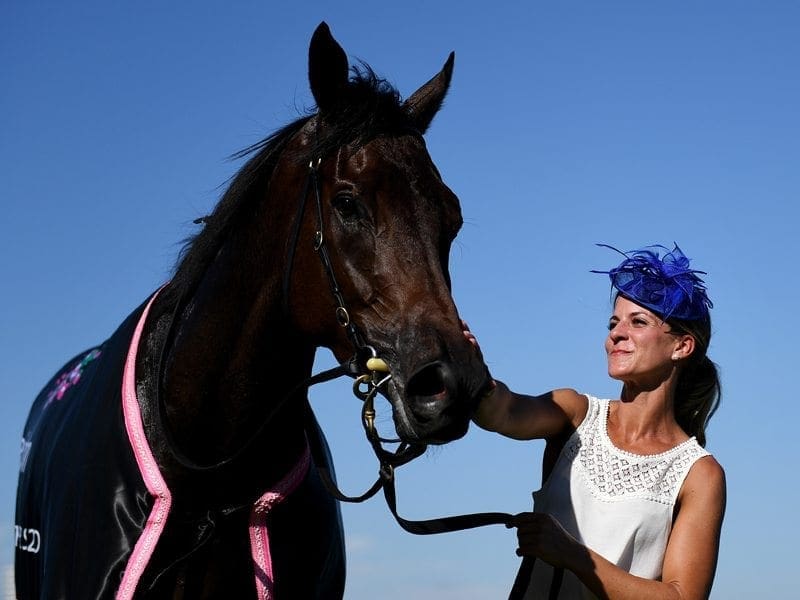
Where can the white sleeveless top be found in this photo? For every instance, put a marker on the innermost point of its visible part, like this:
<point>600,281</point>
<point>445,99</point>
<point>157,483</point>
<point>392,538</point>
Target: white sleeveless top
<point>617,503</point>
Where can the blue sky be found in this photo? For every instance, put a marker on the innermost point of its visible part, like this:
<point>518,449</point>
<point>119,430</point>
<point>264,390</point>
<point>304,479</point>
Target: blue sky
<point>628,123</point>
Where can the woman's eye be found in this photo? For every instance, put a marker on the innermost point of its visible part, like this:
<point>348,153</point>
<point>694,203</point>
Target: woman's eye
<point>346,206</point>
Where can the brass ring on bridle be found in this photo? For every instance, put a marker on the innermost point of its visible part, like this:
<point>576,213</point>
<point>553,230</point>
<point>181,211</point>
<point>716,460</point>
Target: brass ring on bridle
<point>342,316</point>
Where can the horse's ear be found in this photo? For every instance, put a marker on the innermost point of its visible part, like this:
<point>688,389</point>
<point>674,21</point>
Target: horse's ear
<point>423,104</point>
<point>327,68</point>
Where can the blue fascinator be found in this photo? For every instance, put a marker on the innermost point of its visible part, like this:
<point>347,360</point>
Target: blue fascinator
<point>661,280</point>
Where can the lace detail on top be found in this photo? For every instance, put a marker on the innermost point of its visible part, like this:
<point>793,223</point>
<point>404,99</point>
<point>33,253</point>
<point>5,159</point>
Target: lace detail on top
<point>613,474</point>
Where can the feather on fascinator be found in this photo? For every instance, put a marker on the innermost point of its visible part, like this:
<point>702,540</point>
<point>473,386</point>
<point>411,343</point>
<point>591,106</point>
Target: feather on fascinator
<point>663,283</point>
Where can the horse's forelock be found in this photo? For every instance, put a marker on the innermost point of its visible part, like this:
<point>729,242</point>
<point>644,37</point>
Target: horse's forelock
<point>370,106</point>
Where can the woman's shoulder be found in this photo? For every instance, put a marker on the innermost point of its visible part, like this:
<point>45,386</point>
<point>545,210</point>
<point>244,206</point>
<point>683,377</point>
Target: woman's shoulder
<point>574,404</point>
<point>704,483</point>
<point>706,470</point>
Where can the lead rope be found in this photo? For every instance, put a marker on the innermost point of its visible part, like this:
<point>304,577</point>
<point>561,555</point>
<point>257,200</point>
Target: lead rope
<point>379,375</point>
<point>406,452</point>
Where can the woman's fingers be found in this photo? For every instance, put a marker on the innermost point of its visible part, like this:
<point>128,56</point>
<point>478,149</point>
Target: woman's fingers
<point>469,335</point>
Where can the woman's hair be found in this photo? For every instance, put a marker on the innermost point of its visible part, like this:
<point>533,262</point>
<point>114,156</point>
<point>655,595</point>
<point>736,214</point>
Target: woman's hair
<point>699,391</point>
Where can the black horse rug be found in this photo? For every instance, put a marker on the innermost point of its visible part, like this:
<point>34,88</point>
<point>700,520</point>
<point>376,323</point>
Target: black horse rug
<point>92,503</point>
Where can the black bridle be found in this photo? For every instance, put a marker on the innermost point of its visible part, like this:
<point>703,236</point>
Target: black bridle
<point>367,385</point>
<point>342,314</point>
<point>370,371</point>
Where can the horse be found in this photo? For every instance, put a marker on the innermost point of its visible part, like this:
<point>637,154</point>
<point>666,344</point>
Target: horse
<point>174,460</point>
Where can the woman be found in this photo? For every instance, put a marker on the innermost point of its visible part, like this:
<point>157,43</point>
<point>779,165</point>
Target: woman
<point>631,505</point>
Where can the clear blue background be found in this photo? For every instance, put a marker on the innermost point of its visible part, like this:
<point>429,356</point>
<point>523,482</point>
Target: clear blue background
<point>567,124</point>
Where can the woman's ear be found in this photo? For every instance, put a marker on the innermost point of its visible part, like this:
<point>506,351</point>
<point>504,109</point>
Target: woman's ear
<point>684,347</point>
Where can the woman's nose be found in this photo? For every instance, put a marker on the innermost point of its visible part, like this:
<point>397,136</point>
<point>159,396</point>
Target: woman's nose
<point>617,332</point>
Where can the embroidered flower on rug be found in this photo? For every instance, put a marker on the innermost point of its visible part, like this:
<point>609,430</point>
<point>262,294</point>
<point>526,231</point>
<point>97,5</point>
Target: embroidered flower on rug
<point>69,378</point>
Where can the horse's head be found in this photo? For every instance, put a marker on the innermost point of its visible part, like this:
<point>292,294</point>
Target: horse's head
<point>388,221</point>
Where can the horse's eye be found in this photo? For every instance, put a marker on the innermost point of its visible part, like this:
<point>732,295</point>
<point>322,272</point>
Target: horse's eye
<point>346,206</point>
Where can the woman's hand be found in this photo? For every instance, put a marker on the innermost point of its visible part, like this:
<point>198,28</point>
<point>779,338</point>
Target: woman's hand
<point>524,417</point>
<point>540,535</point>
<point>469,335</point>
<point>489,390</point>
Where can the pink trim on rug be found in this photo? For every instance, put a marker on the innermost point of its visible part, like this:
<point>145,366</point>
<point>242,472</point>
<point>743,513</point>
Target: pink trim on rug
<point>259,536</point>
<point>148,467</point>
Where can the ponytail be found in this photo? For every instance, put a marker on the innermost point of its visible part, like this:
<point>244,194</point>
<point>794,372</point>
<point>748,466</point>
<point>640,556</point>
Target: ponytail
<point>699,390</point>
<point>697,397</point>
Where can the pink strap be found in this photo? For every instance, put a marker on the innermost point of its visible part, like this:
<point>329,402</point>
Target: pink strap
<point>145,545</point>
<point>148,467</point>
<point>259,536</point>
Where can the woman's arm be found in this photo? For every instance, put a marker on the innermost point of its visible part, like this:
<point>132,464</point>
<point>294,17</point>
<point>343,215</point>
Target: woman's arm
<point>691,555</point>
<point>527,417</point>
<point>530,417</point>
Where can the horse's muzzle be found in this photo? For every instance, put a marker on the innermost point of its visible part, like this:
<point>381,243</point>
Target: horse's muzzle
<point>439,403</point>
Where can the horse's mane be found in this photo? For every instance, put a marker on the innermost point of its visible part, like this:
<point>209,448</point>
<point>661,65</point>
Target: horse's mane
<point>369,106</point>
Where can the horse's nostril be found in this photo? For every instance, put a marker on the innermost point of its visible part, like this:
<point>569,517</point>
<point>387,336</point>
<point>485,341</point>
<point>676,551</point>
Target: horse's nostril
<point>428,381</point>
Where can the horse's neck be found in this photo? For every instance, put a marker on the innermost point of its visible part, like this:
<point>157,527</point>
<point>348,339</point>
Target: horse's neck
<point>230,363</point>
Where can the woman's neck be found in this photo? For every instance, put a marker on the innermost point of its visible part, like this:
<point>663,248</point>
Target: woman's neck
<point>644,421</point>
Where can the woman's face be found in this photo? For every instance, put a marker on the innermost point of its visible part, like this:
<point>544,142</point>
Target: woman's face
<point>639,345</point>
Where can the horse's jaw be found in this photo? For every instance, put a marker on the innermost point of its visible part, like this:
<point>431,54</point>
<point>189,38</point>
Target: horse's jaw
<point>413,431</point>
